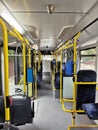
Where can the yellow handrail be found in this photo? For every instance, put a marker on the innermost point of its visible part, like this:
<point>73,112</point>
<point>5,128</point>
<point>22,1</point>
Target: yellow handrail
<point>20,81</point>
<point>35,76</point>
<point>86,83</point>
<point>39,60</point>
<point>19,36</point>
<point>82,126</point>
<point>6,71</point>
<point>24,68</point>
<point>29,59</point>
<point>56,57</point>
<point>65,46</point>
<point>29,52</point>
<point>75,76</point>
<point>68,110</point>
<point>29,64</point>
<point>67,100</point>
<point>61,77</point>
<point>12,34</point>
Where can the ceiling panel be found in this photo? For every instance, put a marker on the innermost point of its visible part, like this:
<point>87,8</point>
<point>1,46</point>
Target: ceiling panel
<point>48,25</point>
<point>34,13</point>
<point>2,8</point>
<point>40,5</point>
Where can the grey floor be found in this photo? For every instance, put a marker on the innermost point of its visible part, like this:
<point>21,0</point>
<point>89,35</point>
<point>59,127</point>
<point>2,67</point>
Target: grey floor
<point>49,114</point>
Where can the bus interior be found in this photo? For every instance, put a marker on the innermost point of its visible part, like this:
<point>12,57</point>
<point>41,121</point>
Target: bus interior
<point>48,64</point>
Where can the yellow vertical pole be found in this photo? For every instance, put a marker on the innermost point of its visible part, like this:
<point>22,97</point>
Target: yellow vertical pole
<point>52,80</point>
<point>53,77</point>
<point>61,76</point>
<point>75,78</point>
<point>24,67</point>
<point>56,62</point>
<point>39,60</point>
<point>35,76</point>
<point>54,74</point>
<point>29,64</point>
<point>29,57</point>
<point>40,56</point>
<point>6,71</point>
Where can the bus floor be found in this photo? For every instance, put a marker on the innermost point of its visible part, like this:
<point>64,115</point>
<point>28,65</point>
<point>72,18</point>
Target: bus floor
<point>49,114</point>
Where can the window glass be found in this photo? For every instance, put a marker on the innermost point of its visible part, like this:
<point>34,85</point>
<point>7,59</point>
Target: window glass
<point>88,52</point>
<point>88,58</point>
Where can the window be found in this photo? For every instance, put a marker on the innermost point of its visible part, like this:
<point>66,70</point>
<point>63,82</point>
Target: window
<point>88,58</point>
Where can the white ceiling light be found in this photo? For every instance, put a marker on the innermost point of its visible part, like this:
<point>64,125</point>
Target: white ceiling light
<point>12,21</point>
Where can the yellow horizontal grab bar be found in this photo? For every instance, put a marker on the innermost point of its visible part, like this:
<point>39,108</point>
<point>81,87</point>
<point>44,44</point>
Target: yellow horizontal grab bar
<point>67,100</point>
<point>12,34</point>
<point>19,35</point>
<point>63,46</point>
<point>83,126</point>
<point>16,35</point>
<point>66,47</point>
<point>78,34</point>
<point>86,82</point>
<point>27,41</point>
<point>71,111</point>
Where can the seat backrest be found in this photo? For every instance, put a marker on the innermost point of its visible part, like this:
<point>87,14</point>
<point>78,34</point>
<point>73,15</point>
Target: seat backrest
<point>85,92</point>
<point>2,110</point>
<point>57,80</point>
<point>69,68</point>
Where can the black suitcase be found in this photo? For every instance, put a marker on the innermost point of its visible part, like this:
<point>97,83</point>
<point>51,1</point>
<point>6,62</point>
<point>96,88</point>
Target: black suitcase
<point>20,110</point>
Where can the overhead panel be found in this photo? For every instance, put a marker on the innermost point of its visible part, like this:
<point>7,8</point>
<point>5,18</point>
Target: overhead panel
<point>34,13</point>
<point>64,31</point>
<point>60,5</point>
<point>83,22</point>
<point>89,36</point>
<point>32,31</point>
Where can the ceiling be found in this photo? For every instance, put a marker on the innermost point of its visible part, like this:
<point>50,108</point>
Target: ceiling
<point>50,30</point>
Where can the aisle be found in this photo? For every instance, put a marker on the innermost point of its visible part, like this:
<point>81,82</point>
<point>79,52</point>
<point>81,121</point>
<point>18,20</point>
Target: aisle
<point>49,114</point>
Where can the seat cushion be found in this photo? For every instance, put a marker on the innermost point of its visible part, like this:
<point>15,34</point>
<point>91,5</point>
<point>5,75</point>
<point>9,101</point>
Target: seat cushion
<point>91,110</point>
